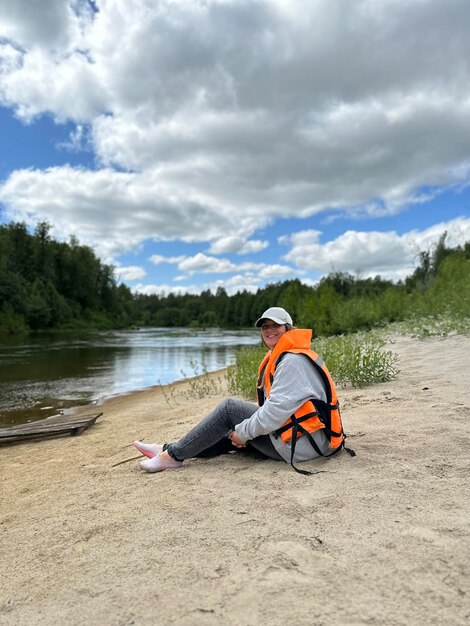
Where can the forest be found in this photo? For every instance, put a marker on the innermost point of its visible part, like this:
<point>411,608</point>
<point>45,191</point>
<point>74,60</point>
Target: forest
<point>50,285</point>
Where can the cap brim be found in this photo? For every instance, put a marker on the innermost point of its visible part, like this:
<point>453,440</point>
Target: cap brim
<point>273,319</point>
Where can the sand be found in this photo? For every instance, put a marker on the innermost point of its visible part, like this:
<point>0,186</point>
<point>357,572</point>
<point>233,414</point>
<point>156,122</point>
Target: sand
<point>382,538</point>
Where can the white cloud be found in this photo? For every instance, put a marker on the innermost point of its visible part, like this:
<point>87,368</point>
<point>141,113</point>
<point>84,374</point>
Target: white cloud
<point>50,23</point>
<point>78,140</point>
<point>210,120</point>
<point>204,264</point>
<point>370,253</point>
<point>114,211</point>
<point>157,259</point>
<point>278,271</point>
<point>131,272</point>
<point>40,84</point>
<point>236,244</point>
<point>238,283</point>
<point>10,59</point>
<point>164,290</point>
<point>55,70</point>
<point>232,285</point>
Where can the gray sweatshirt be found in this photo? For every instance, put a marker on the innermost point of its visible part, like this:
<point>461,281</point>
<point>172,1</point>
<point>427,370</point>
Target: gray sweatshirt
<point>295,382</point>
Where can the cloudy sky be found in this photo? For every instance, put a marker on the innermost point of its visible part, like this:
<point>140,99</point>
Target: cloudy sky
<point>199,143</point>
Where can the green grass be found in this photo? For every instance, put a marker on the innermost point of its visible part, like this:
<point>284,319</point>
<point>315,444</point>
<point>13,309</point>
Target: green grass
<point>202,383</point>
<point>359,360</point>
<point>241,377</point>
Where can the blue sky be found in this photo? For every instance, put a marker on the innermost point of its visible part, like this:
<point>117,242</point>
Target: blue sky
<point>232,143</point>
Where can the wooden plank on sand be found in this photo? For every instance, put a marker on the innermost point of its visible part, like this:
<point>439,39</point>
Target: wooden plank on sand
<point>49,427</point>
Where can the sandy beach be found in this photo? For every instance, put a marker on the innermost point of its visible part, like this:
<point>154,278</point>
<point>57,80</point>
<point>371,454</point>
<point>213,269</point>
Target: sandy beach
<point>382,538</point>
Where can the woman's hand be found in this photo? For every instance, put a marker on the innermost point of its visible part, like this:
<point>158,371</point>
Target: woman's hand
<point>236,441</point>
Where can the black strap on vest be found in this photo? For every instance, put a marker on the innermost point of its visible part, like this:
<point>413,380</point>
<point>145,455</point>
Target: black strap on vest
<point>296,427</point>
<point>323,410</point>
<point>323,413</point>
<point>260,386</point>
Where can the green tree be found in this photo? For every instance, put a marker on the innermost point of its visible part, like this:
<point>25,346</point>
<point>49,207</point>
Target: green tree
<point>39,312</point>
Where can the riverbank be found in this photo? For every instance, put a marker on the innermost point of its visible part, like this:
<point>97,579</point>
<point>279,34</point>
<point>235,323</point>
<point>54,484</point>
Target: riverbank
<point>382,538</point>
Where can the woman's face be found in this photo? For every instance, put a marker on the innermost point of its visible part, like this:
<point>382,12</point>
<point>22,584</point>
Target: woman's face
<point>271,332</point>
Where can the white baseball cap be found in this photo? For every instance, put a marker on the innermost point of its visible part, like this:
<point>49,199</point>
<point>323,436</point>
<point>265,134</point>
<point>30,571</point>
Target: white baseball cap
<point>276,314</point>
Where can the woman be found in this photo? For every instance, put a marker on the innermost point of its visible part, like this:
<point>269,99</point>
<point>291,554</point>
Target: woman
<point>297,418</point>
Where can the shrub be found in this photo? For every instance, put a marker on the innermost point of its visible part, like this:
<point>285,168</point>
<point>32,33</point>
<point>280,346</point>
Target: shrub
<point>11,323</point>
<point>241,377</point>
<point>358,359</point>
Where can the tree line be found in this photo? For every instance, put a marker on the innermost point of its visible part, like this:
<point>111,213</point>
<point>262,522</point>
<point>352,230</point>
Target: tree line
<point>46,284</point>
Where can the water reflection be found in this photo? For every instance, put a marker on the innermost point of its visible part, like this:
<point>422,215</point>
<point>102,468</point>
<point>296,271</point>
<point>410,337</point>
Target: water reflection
<point>46,374</point>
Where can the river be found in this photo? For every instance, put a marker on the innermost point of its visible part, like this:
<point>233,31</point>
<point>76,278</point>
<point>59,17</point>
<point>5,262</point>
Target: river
<point>47,374</point>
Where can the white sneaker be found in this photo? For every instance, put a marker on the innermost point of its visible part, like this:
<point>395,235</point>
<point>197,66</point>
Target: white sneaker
<point>157,464</point>
<point>148,449</point>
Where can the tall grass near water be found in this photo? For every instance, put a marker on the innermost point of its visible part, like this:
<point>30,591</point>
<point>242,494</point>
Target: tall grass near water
<point>359,360</point>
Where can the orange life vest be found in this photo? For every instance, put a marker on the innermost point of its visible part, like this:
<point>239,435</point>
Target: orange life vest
<point>314,414</point>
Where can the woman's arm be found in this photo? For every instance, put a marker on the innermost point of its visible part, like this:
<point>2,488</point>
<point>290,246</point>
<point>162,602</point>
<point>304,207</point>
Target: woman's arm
<point>295,381</point>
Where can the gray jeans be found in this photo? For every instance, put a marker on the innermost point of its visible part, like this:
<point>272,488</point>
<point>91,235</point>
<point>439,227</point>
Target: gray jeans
<point>209,437</point>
